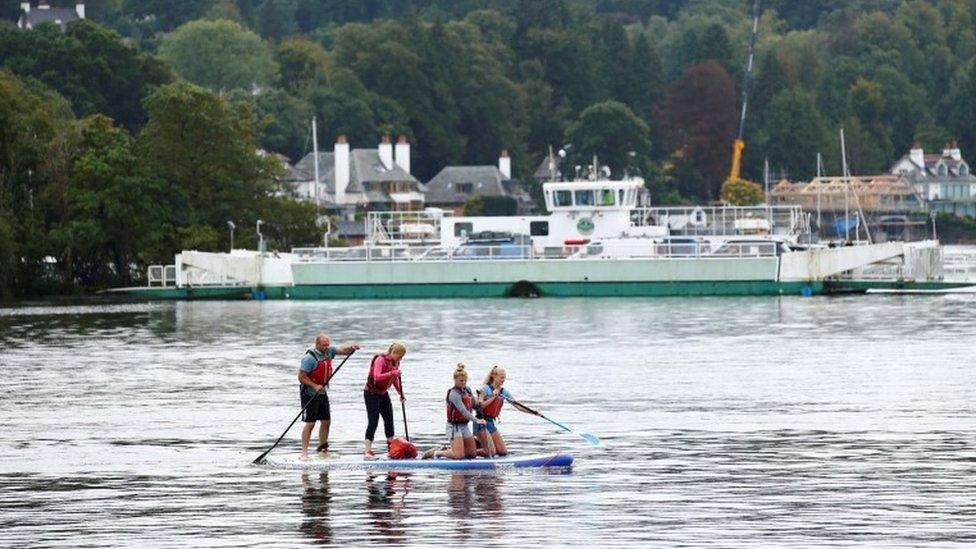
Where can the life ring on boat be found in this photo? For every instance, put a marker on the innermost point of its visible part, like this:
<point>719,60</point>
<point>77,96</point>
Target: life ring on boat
<point>576,241</point>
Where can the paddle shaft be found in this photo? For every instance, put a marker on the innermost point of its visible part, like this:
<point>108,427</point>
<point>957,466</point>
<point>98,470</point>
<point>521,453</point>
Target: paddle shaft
<point>406,432</point>
<point>290,425</point>
<point>403,408</point>
<point>585,436</point>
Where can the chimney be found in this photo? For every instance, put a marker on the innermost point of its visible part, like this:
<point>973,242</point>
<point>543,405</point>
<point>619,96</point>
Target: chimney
<point>80,8</point>
<point>403,153</point>
<point>953,151</point>
<point>25,7</point>
<point>43,5</point>
<point>341,169</point>
<point>917,155</point>
<point>505,164</point>
<point>386,152</point>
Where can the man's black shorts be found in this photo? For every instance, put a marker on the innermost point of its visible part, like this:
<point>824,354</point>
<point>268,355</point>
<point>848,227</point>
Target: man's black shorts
<point>318,410</point>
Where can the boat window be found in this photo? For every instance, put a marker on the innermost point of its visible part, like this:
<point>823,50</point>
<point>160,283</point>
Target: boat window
<point>584,198</point>
<point>539,228</point>
<point>564,198</point>
<point>463,229</point>
<point>607,199</point>
<point>621,193</point>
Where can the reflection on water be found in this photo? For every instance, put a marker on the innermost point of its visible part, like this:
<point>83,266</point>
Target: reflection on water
<point>386,505</point>
<point>774,421</point>
<point>316,504</point>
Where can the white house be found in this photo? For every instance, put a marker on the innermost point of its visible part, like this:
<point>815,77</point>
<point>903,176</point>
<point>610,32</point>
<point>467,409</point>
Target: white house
<point>944,181</point>
<point>30,17</point>
<point>371,179</point>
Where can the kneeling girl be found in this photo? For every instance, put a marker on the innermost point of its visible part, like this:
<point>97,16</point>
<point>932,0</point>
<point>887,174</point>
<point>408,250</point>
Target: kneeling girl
<point>460,411</point>
<point>491,396</point>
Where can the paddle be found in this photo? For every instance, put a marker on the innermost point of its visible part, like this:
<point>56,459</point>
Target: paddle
<point>260,458</point>
<point>403,406</point>
<point>592,439</point>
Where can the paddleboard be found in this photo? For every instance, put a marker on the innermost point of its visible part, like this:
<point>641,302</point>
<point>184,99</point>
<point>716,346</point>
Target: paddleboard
<point>386,464</point>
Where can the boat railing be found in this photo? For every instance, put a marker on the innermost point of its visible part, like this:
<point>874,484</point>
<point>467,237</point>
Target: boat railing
<point>597,250</point>
<point>161,275</point>
<point>724,220</point>
<point>410,228</point>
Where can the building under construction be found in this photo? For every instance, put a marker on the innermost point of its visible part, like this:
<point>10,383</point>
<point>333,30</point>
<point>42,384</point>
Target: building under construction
<point>890,206</point>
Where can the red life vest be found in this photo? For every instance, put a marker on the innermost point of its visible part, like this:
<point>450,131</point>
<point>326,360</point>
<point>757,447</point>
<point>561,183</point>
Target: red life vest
<point>494,408</point>
<point>378,387</point>
<point>322,372</point>
<point>453,414</point>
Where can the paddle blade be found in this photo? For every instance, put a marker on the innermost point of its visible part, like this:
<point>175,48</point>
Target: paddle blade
<point>592,439</point>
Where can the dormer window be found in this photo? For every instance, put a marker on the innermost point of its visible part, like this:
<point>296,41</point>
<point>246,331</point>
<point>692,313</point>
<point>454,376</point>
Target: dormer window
<point>464,187</point>
<point>942,170</point>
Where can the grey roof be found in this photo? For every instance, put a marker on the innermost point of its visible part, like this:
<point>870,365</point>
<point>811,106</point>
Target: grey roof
<point>58,16</point>
<point>484,180</point>
<point>542,173</point>
<point>366,170</point>
<point>930,171</point>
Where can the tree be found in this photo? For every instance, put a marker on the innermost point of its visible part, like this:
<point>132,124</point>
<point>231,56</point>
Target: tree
<point>8,259</point>
<point>645,79</point>
<point>31,117</point>
<point>205,149</point>
<point>613,133</point>
<point>220,55</point>
<point>304,65</point>
<point>964,111</point>
<point>112,210</point>
<point>168,14</point>
<point>88,64</point>
<point>700,119</point>
<point>740,192</point>
<point>796,133</point>
<point>276,19</point>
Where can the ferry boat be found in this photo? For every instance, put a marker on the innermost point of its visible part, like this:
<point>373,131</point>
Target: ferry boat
<point>596,240</point>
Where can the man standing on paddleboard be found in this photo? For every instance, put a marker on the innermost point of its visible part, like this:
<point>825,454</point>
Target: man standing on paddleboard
<point>313,377</point>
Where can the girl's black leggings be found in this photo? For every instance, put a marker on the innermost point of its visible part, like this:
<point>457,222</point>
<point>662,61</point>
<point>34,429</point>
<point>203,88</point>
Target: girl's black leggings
<point>376,406</point>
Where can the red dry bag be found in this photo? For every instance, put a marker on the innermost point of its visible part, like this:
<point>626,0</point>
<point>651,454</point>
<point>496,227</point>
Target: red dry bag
<point>402,449</point>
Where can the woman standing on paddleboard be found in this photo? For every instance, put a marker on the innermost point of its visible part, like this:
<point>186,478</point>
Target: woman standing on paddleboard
<point>460,411</point>
<point>491,396</point>
<point>383,372</point>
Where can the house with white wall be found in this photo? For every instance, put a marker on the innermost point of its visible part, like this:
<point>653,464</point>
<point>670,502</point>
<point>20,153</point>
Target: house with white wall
<point>31,16</point>
<point>944,181</point>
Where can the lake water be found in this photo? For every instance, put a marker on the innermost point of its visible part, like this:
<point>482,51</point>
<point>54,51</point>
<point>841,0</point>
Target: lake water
<point>725,422</point>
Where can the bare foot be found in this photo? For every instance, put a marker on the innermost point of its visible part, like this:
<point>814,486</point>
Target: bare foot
<point>304,457</point>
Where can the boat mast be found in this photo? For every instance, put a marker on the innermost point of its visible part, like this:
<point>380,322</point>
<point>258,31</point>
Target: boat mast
<point>315,156</point>
<point>847,189</point>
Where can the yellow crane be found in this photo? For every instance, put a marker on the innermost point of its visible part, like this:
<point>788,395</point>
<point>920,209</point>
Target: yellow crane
<point>739,144</point>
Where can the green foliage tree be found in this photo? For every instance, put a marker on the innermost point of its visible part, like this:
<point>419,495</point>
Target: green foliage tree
<point>304,66</point>
<point>205,149</point>
<point>739,192</point>
<point>276,19</point>
<point>220,55</point>
<point>613,133</point>
<point>796,131</point>
<point>93,67</point>
<point>474,206</point>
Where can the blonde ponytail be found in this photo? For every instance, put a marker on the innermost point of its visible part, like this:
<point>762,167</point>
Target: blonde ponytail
<point>460,371</point>
<point>490,379</point>
<point>397,347</point>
